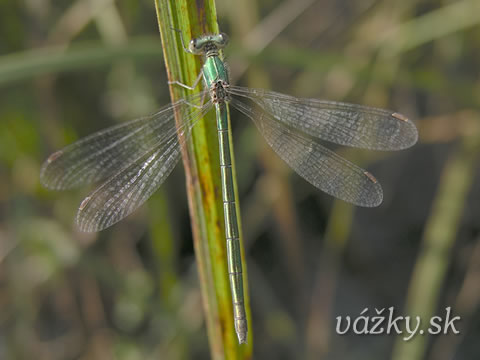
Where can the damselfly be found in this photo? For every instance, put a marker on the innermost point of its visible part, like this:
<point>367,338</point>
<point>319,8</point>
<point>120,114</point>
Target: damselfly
<point>133,159</point>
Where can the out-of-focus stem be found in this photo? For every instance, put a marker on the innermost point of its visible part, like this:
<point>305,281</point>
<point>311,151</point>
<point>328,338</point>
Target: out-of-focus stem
<point>438,239</point>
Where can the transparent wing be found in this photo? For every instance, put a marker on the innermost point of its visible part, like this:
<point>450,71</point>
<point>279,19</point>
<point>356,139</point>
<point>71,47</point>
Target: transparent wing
<point>317,164</point>
<point>106,152</point>
<point>339,123</point>
<point>124,192</point>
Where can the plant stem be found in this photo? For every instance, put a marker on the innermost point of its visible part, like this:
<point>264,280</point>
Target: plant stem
<point>201,162</point>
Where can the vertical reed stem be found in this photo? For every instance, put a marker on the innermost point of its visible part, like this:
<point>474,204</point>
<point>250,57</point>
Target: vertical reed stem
<point>200,159</point>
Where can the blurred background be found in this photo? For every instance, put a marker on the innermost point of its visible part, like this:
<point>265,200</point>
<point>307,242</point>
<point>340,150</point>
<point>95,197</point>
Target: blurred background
<point>69,68</point>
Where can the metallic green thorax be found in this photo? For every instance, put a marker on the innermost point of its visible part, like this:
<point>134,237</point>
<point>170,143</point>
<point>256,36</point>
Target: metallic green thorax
<point>216,78</point>
<point>214,70</point>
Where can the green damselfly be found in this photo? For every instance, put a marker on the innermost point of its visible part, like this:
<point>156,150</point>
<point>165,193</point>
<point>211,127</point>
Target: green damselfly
<point>133,159</point>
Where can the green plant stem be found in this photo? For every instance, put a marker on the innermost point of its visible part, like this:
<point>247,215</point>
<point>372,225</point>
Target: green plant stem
<point>201,163</point>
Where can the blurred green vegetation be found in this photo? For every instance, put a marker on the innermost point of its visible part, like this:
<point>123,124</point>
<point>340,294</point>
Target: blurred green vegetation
<point>68,68</point>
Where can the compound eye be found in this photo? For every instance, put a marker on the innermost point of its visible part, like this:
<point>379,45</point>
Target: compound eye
<point>193,46</point>
<point>223,39</point>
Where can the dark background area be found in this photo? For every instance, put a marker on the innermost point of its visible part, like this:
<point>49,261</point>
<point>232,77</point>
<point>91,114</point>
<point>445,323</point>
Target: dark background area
<point>69,68</point>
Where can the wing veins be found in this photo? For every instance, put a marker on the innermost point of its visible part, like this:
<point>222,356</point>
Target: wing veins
<point>340,123</point>
<point>318,165</point>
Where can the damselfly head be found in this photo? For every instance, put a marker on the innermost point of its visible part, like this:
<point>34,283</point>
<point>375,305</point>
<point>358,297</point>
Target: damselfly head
<point>207,43</point>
